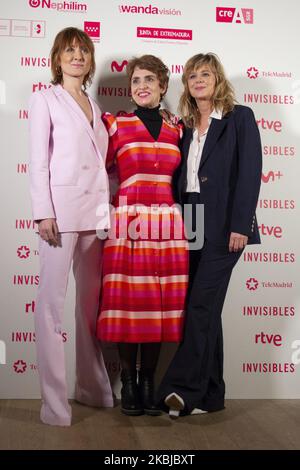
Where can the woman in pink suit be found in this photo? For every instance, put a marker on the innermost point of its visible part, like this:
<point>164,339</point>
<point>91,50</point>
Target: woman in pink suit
<point>69,192</point>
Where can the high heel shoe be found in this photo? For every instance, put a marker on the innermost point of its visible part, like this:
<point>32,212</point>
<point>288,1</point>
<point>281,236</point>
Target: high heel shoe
<point>175,404</point>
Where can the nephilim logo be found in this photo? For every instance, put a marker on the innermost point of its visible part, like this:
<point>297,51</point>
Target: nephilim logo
<point>2,352</point>
<point>59,6</point>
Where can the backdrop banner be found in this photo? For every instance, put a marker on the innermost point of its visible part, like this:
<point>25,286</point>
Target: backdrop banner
<point>254,40</point>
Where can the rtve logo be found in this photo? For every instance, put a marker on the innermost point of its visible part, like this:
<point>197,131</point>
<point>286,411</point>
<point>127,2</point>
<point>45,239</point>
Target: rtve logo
<point>265,338</point>
<point>92,29</point>
<point>252,72</point>
<point>234,15</point>
<point>116,67</point>
<point>252,283</point>
<point>270,230</point>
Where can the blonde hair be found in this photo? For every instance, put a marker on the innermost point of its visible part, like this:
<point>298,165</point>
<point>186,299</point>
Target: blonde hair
<point>64,39</point>
<point>223,98</point>
<point>154,65</point>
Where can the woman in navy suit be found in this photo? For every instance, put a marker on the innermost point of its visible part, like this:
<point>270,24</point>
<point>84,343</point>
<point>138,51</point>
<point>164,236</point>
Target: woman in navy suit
<point>220,170</point>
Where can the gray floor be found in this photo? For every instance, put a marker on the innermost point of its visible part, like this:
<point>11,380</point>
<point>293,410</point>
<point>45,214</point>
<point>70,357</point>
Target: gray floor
<point>244,424</point>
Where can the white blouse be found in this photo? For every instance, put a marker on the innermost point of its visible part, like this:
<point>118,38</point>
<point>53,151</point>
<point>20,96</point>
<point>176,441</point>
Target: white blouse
<point>195,154</point>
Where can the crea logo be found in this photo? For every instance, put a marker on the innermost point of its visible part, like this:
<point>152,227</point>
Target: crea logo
<point>20,366</point>
<point>252,72</point>
<point>252,283</point>
<point>59,6</point>
<point>92,29</point>
<point>234,15</point>
<point>118,67</point>
<point>23,252</point>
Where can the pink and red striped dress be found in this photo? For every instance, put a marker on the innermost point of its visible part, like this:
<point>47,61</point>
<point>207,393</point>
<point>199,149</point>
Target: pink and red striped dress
<point>145,258</point>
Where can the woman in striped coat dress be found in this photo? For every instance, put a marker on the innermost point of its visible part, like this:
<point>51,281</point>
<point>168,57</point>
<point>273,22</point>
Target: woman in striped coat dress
<point>145,260</point>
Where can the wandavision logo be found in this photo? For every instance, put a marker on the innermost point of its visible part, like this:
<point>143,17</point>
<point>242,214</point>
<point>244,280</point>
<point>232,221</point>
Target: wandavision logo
<point>118,67</point>
<point>59,6</point>
<point>148,10</point>
<point>234,15</point>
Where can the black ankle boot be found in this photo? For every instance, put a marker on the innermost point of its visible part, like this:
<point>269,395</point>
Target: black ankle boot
<point>146,386</point>
<point>130,398</point>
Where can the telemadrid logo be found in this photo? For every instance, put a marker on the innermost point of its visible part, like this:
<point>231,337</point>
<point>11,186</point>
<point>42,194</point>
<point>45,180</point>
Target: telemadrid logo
<point>59,6</point>
<point>252,283</point>
<point>252,72</point>
<point>23,252</point>
<point>20,366</point>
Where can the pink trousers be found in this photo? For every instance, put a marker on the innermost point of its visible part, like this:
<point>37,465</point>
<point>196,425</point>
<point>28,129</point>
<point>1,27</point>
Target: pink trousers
<point>92,382</point>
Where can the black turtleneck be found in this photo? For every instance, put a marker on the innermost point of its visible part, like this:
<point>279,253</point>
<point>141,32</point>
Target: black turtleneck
<point>151,119</point>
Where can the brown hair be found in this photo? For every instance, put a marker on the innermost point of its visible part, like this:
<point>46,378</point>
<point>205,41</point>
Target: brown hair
<point>223,98</point>
<point>64,39</point>
<point>154,65</point>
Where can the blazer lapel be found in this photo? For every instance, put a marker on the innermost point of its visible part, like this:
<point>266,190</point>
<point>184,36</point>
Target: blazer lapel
<point>215,129</point>
<point>71,103</point>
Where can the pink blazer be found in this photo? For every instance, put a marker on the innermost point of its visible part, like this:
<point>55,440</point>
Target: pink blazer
<point>68,180</point>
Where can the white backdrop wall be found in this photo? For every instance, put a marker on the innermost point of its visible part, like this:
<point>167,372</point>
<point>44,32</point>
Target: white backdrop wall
<point>255,41</point>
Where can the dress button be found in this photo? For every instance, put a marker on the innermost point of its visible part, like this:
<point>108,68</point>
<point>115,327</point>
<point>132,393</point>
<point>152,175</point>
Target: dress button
<point>86,192</point>
<point>156,164</point>
<point>155,144</point>
<point>85,167</point>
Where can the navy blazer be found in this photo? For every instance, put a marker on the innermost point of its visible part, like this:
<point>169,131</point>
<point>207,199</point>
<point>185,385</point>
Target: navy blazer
<point>229,175</point>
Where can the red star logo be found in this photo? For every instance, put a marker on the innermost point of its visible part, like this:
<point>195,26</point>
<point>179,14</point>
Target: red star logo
<point>251,283</point>
<point>20,366</point>
<point>23,251</point>
<point>252,72</point>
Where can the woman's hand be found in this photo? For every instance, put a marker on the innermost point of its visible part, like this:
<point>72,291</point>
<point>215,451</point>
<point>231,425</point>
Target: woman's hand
<point>237,241</point>
<point>48,231</point>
